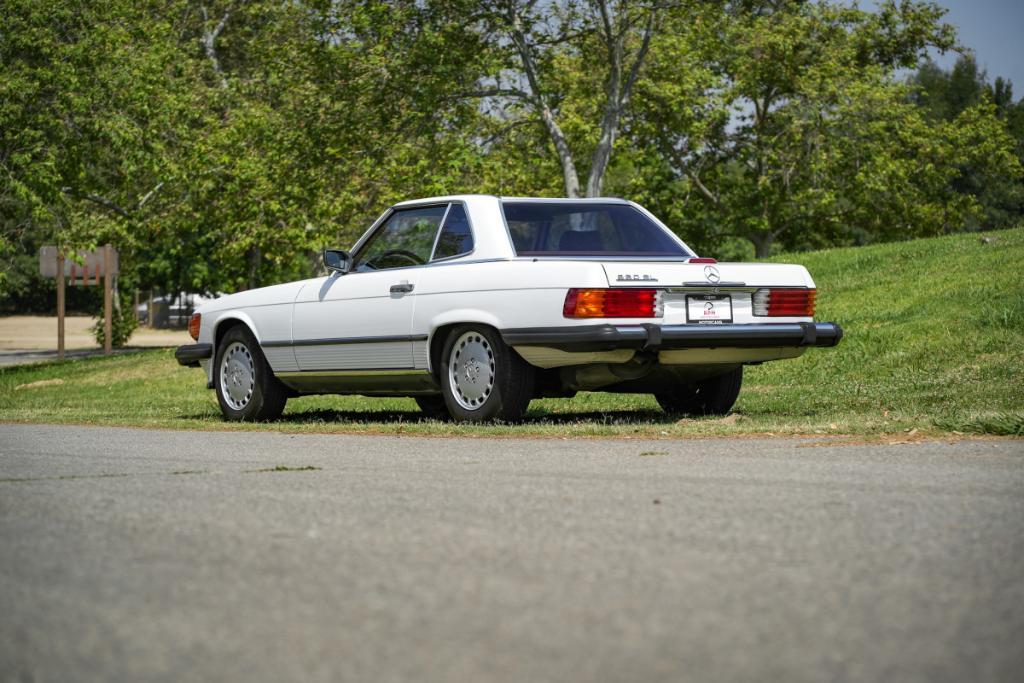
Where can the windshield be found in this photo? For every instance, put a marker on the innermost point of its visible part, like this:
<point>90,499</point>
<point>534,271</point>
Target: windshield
<point>586,229</point>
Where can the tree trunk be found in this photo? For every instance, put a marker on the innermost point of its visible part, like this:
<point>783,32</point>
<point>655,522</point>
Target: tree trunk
<point>519,38</point>
<point>762,244</point>
<point>619,87</point>
<point>569,174</point>
<point>254,257</point>
<point>603,152</point>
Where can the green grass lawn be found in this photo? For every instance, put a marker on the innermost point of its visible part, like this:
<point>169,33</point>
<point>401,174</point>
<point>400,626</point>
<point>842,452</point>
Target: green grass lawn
<point>934,343</point>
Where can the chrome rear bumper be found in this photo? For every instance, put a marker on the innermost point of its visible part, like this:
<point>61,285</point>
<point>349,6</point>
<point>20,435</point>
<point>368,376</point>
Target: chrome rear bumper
<point>606,337</point>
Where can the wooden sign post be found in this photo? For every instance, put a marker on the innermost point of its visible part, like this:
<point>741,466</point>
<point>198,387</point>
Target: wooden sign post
<point>60,305</point>
<point>108,327</point>
<point>53,262</point>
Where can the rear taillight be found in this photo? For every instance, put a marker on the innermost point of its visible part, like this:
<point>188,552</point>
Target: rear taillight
<point>702,260</point>
<point>612,303</point>
<point>792,303</point>
<point>193,326</point>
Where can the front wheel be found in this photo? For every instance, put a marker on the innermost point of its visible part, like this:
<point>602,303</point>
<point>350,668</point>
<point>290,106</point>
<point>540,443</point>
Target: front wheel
<point>247,389</point>
<point>713,396</point>
<point>483,379</point>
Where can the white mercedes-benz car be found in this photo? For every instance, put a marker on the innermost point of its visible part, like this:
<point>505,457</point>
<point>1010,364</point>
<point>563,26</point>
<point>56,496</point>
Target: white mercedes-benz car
<point>474,305</point>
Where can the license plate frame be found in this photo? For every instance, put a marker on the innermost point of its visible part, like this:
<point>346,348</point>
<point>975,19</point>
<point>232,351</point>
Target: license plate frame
<point>698,311</point>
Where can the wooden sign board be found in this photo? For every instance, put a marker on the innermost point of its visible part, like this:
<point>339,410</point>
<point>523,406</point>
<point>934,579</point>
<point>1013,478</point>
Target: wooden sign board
<point>82,267</point>
<point>85,267</point>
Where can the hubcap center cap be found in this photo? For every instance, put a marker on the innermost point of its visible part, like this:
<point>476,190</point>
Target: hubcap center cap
<point>473,370</point>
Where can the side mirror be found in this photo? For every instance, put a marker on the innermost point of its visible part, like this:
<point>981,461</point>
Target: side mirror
<point>337,261</point>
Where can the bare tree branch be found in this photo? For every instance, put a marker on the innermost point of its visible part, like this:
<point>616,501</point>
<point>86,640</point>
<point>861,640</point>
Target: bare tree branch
<point>112,205</point>
<point>149,195</point>
<point>523,47</point>
<point>609,34</point>
<point>495,92</point>
<point>708,194</point>
<point>634,71</point>
<point>505,130</point>
<point>619,93</point>
<point>209,41</point>
<point>97,199</point>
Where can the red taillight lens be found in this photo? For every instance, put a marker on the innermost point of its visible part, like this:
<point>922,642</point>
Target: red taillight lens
<point>702,260</point>
<point>193,326</point>
<point>792,303</point>
<point>612,303</point>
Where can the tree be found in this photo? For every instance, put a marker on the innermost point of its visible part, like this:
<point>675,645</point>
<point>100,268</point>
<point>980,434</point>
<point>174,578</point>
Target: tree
<point>82,88</point>
<point>221,145</point>
<point>945,96</point>
<point>536,41</point>
<point>323,113</point>
<point>805,137</point>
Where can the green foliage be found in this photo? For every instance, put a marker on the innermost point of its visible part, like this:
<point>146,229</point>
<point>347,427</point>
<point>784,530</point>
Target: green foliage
<point>230,167</point>
<point>1002,424</point>
<point>84,124</point>
<point>949,97</point>
<point>825,148</point>
<point>221,146</point>
<point>123,321</point>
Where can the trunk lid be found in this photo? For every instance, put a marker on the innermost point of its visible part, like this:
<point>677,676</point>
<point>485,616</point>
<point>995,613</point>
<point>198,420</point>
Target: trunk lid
<point>703,293</point>
<point>662,275</point>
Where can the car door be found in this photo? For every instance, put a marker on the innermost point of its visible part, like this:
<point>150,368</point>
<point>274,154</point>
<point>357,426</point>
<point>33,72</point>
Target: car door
<point>361,320</point>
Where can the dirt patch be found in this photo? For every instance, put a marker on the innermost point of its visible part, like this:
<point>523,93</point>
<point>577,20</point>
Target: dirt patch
<point>730,419</point>
<point>41,383</point>
<point>123,374</point>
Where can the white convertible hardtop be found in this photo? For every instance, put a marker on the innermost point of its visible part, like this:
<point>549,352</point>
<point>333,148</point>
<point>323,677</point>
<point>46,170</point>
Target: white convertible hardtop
<point>490,232</point>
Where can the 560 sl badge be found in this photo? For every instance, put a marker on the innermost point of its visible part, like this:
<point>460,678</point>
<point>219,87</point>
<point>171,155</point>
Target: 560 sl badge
<point>631,278</point>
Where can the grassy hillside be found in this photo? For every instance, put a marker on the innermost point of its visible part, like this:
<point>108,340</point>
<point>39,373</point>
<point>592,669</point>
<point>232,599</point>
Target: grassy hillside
<point>934,344</point>
<point>935,333</point>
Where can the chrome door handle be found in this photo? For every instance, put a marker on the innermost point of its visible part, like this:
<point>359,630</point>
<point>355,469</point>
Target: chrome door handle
<point>401,288</point>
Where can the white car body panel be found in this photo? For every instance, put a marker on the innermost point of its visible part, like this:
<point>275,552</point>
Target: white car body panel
<point>354,307</point>
<point>354,323</point>
<point>267,312</point>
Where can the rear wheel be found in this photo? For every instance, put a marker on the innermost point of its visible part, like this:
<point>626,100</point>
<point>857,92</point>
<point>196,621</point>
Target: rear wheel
<point>247,389</point>
<point>714,396</point>
<point>482,378</point>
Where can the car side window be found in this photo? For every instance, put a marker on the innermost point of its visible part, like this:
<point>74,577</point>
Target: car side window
<point>456,238</point>
<point>404,240</point>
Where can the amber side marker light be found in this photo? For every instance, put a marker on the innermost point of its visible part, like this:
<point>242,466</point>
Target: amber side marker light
<point>612,303</point>
<point>193,326</point>
<point>788,303</point>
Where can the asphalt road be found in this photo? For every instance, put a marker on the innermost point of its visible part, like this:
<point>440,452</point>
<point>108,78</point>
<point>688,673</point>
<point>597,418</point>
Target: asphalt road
<point>153,555</point>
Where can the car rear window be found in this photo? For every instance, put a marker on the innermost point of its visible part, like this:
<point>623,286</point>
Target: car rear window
<point>586,229</point>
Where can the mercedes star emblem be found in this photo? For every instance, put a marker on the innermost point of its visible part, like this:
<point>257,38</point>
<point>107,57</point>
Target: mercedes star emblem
<point>711,273</point>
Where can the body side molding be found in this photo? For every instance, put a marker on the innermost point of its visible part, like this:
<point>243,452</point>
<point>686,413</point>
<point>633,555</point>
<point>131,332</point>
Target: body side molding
<point>345,340</point>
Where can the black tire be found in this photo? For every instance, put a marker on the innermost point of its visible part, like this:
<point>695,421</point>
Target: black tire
<point>433,407</point>
<point>264,397</point>
<point>506,378</point>
<point>713,396</point>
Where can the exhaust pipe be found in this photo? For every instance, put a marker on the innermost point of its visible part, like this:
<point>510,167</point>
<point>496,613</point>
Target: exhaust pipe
<point>590,377</point>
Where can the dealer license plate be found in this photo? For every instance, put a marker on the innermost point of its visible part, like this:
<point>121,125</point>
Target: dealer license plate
<point>708,309</point>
